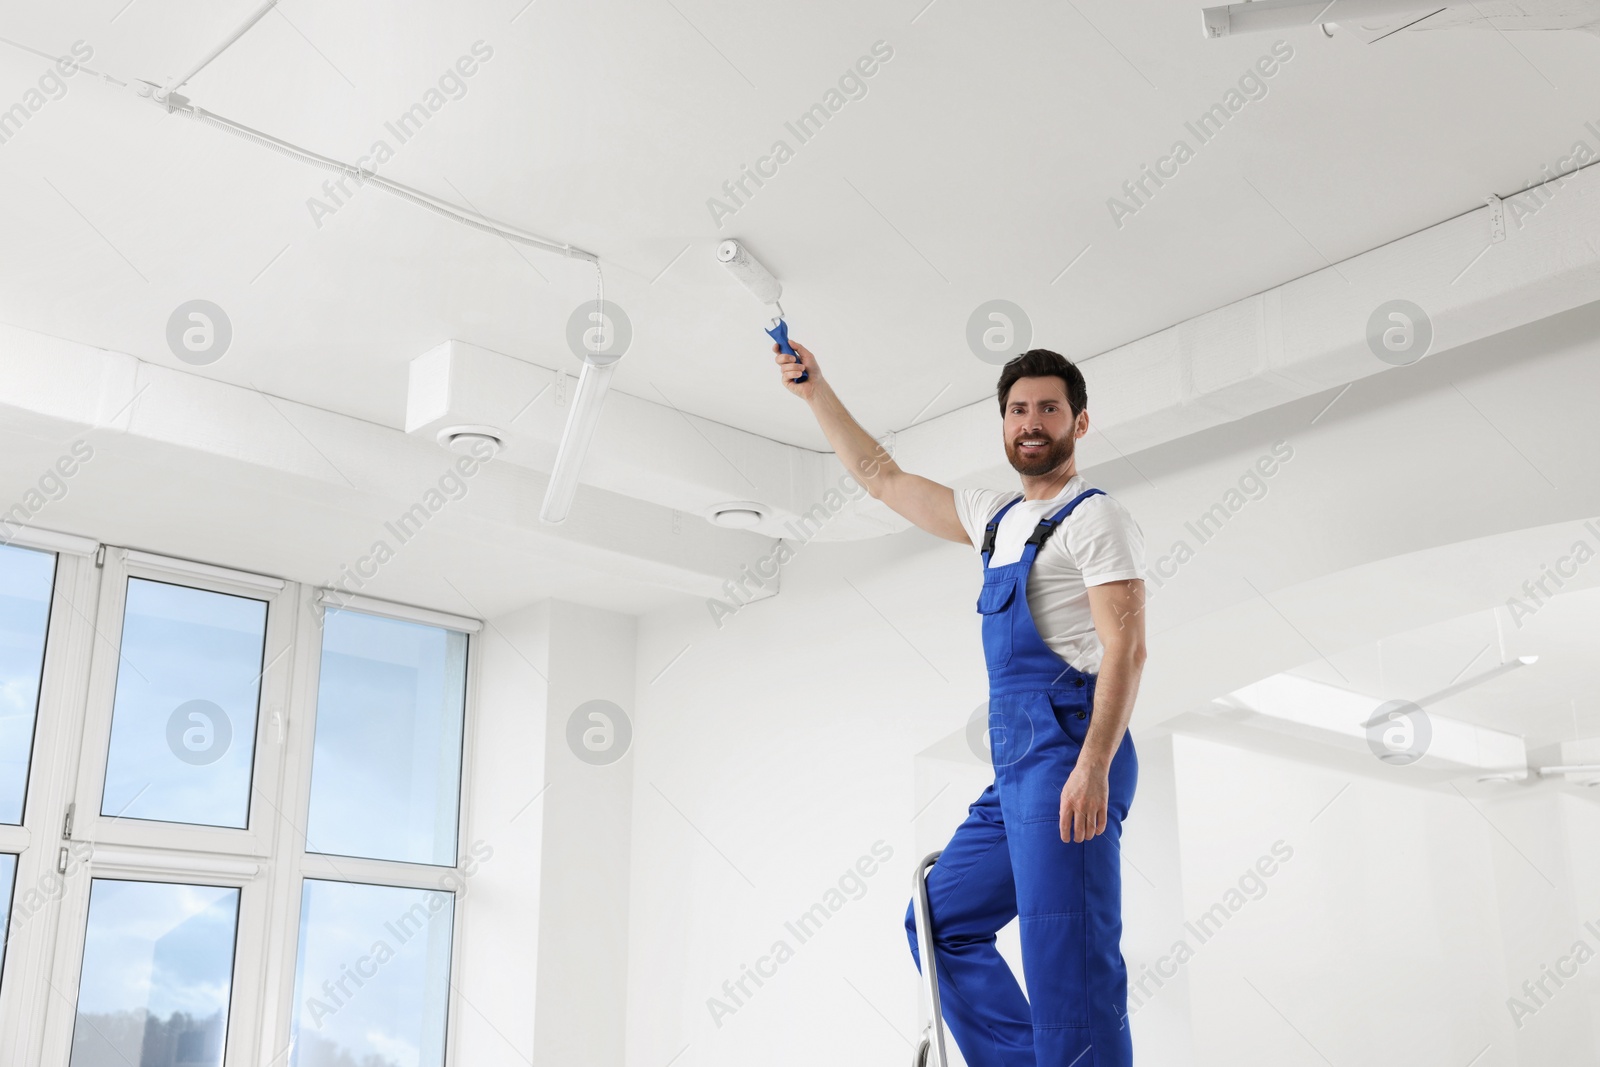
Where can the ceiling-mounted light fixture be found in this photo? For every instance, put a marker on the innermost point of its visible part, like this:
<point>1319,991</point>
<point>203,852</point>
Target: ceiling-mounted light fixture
<point>738,514</point>
<point>1374,20</point>
<point>587,400</point>
<point>1571,768</point>
<point>1382,716</point>
<point>467,440</point>
<point>1258,16</point>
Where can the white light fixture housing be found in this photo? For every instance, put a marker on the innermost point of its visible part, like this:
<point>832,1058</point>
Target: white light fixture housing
<point>1503,777</point>
<point>587,400</point>
<point>1266,15</point>
<point>461,439</point>
<point>1459,687</point>
<point>1571,768</point>
<point>738,514</point>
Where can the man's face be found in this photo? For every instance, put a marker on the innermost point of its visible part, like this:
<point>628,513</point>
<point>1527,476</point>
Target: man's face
<point>1039,428</point>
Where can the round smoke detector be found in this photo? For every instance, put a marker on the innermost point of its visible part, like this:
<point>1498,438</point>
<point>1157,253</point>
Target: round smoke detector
<point>468,440</point>
<point>738,514</point>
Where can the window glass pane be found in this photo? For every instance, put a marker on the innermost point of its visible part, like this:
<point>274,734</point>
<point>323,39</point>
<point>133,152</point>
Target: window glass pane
<point>183,728</point>
<point>372,979</point>
<point>8,881</point>
<point>26,578</point>
<point>157,974</point>
<point>386,769</point>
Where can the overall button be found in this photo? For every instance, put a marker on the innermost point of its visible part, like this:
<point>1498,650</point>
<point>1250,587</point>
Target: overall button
<point>1078,682</point>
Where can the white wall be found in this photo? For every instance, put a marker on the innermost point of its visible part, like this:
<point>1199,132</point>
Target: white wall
<point>501,907</point>
<point>789,741</point>
<point>785,742</point>
<point>545,918</point>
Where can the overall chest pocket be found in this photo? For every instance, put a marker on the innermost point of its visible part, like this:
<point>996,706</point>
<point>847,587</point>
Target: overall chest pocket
<point>994,603</point>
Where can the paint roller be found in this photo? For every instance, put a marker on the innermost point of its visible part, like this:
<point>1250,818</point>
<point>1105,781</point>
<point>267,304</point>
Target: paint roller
<point>764,287</point>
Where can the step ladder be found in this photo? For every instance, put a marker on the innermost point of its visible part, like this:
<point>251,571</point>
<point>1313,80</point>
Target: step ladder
<point>930,1049</point>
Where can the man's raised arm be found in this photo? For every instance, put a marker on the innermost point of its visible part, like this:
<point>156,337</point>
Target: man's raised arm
<point>921,500</point>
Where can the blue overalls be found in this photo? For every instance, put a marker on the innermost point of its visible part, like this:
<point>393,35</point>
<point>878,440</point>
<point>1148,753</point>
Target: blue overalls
<point>1007,859</point>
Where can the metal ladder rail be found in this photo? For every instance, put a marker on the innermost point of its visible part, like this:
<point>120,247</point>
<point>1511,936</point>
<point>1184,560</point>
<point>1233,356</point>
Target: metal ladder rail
<point>930,1050</point>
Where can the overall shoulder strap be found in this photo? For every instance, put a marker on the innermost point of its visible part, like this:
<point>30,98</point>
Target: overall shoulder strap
<point>1041,533</point>
<point>993,525</point>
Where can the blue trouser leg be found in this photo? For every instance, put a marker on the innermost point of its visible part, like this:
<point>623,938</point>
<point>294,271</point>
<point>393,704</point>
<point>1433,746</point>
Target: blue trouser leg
<point>971,895</point>
<point>1069,895</point>
<point>1071,925</point>
<point>1007,860</point>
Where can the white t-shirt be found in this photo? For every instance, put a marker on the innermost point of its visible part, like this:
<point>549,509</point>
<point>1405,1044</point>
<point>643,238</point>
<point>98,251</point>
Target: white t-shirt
<point>1098,543</point>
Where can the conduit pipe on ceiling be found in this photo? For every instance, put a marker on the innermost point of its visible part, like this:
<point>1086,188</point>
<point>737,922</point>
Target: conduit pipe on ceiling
<point>227,42</point>
<point>595,379</point>
<point>169,99</point>
<point>598,367</point>
<point>175,103</point>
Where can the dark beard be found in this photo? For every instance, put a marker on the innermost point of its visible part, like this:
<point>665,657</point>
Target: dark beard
<point>1055,456</point>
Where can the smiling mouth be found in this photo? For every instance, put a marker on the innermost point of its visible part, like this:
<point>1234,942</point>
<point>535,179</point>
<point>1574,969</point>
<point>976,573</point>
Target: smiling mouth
<point>1032,444</point>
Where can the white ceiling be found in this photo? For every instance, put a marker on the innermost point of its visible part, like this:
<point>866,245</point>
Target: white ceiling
<point>978,166</point>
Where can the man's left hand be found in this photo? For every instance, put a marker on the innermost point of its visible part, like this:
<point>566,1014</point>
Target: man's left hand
<point>1084,801</point>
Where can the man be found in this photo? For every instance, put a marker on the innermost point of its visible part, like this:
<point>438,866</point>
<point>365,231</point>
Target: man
<point>1063,637</point>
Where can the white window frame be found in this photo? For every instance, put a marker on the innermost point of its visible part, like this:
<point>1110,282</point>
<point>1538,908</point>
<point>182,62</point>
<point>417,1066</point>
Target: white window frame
<point>37,843</point>
<point>266,800</point>
<point>267,861</point>
<point>298,864</point>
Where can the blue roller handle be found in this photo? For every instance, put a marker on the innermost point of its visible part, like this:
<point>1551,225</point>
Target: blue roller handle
<point>780,334</point>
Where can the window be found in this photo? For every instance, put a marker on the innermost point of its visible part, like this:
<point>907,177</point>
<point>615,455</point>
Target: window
<point>222,799</point>
<point>157,973</point>
<point>184,721</point>
<point>26,580</point>
<point>386,776</point>
<point>8,884</point>
<point>373,975</point>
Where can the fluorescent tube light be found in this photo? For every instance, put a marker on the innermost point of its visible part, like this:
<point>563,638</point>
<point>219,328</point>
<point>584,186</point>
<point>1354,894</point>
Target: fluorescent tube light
<point>1262,15</point>
<point>581,422</point>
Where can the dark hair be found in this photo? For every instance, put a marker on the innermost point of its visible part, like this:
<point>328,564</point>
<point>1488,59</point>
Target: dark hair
<point>1043,363</point>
